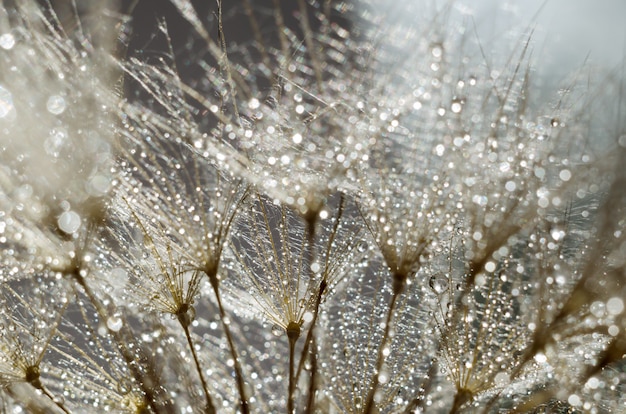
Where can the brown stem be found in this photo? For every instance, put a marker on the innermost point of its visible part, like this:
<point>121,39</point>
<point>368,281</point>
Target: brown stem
<point>380,359</point>
<point>460,398</point>
<point>417,404</point>
<point>146,382</point>
<point>32,377</point>
<point>310,406</point>
<point>309,337</point>
<point>243,401</point>
<point>293,333</point>
<point>210,406</point>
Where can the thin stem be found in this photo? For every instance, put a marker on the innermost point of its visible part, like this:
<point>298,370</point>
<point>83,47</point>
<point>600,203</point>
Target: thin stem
<point>310,406</point>
<point>310,258</point>
<point>293,333</point>
<point>309,41</point>
<point>460,398</point>
<point>33,378</point>
<point>309,337</point>
<point>417,404</point>
<point>380,359</point>
<point>56,402</point>
<point>146,382</point>
<point>210,406</point>
<point>243,401</point>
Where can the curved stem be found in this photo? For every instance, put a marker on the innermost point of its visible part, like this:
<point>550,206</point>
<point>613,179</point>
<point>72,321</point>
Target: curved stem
<point>210,406</point>
<point>309,337</point>
<point>48,394</point>
<point>380,359</point>
<point>147,382</point>
<point>243,401</point>
<point>310,406</point>
<point>417,404</point>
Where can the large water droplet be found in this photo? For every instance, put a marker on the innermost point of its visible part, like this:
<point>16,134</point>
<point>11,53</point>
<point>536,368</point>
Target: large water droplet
<point>6,102</point>
<point>456,107</point>
<point>56,104</point>
<point>277,330</point>
<point>307,317</point>
<point>55,141</point>
<point>99,185</point>
<point>7,41</point>
<point>501,379</point>
<point>438,283</point>
<point>69,222</point>
<point>114,323</point>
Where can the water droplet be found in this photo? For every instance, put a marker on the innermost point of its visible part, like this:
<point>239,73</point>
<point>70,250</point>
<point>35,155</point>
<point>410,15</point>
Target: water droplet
<point>277,330</point>
<point>456,107</point>
<point>490,266</point>
<point>307,317</point>
<point>56,104</point>
<point>69,222</point>
<point>7,41</point>
<point>254,103</point>
<point>437,51</point>
<point>114,323</point>
<point>501,379</point>
<point>383,376</point>
<point>438,283</point>
<point>123,387</point>
<point>118,273</point>
<point>55,141</point>
<point>615,306</point>
<point>99,185</point>
<point>6,102</point>
<point>510,186</point>
<point>362,247</point>
<point>565,175</point>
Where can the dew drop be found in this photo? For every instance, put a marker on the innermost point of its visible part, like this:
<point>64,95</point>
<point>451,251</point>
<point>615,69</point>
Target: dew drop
<point>362,247</point>
<point>254,103</point>
<point>118,274</point>
<point>69,222</point>
<point>510,186</point>
<point>383,376</point>
<point>7,41</point>
<point>490,266</point>
<point>54,143</point>
<point>615,306</point>
<point>307,317</point>
<point>6,102</point>
<point>565,175</point>
<point>277,330</point>
<point>99,185</point>
<point>56,104</point>
<point>114,323</point>
<point>437,51</point>
<point>501,379</point>
<point>438,283</point>
<point>456,107</point>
